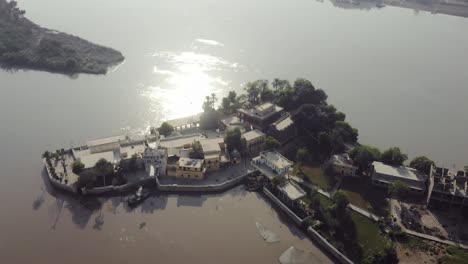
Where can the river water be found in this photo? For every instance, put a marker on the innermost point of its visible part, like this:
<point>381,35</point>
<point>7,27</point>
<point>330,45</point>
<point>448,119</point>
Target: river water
<point>398,74</point>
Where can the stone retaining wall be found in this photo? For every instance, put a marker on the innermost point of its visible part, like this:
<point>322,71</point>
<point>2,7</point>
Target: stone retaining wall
<point>314,234</point>
<point>57,184</point>
<point>329,247</point>
<point>283,207</point>
<point>201,188</point>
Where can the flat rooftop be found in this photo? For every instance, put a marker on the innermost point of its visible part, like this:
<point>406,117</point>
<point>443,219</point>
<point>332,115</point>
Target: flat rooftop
<point>211,145</point>
<point>284,123</point>
<point>179,142</point>
<point>292,191</point>
<point>399,172</point>
<point>91,159</point>
<point>106,140</point>
<point>190,163</point>
<point>184,120</point>
<point>232,120</point>
<point>257,112</point>
<point>277,159</point>
<point>253,134</point>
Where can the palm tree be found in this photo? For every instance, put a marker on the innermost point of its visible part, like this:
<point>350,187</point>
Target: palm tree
<point>276,84</point>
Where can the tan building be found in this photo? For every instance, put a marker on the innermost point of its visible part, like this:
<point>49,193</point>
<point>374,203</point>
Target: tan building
<point>190,169</point>
<point>254,141</point>
<point>212,152</point>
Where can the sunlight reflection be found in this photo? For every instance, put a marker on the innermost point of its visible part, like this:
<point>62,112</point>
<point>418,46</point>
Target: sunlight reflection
<point>184,80</point>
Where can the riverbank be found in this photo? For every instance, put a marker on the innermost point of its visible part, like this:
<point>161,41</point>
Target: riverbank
<point>25,45</point>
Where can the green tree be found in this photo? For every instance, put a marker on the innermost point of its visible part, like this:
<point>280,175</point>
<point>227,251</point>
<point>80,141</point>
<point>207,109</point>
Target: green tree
<point>348,133</point>
<point>133,163</point>
<point>165,129</point>
<point>325,144</point>
<point>197,151</point>
<point>302,155</point>
<point>341,200</point>
<point>46,155</point>
<point>232,96</point>
<point>77,167</point>
<point>277,180</point>
<point>394,157</point>
<point>86,179</point>
<point>422,163</point>
<point>233,139</point>
<point>226,105</point>
<point>398,189</point>
<point>209,120</point>
<point>104,169</point>
<point>271,143</point>
<point>364,155</point>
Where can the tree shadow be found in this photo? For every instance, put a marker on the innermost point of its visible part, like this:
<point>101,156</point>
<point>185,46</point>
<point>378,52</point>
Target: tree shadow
<point>154,202</point>
<point>80,208</point>
<point>37,203</point>
<point>98,221</point>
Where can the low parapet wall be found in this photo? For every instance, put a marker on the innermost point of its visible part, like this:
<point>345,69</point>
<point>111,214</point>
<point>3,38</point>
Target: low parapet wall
<point>57,184</point>
<point>314,234</point>
<point>201,188</point>
<point>283,207</point>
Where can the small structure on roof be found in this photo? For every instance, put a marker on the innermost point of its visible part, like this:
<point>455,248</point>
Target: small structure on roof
<point>190,169</point>
<point>343,164</point>
<point>272,164</point>
<point>260,116</point>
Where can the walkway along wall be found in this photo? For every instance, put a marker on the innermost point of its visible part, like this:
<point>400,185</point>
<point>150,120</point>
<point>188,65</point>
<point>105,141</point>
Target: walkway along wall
<point>314,234</point>
<point>202,188</point>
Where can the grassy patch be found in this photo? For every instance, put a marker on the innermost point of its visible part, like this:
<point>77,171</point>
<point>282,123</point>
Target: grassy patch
<point>363,195</point>
<point>413,243</point>
<point>317,176</point>
<point>368,234</point>
<point>455,256</point>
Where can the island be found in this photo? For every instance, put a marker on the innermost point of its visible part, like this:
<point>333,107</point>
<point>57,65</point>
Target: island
<point>25,45</point>
<point>286,142</point>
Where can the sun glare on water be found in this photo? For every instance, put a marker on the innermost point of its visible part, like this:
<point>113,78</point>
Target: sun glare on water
<point>184,80</point>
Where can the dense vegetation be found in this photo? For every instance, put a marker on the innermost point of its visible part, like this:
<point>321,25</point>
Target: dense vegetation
<point>24,44</point>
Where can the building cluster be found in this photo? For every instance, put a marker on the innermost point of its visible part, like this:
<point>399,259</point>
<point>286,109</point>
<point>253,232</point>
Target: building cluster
<point>448,186</point>
<point>442,185</point>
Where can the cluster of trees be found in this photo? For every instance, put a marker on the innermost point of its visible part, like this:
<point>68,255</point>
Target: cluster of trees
<point>10,10</point>
<point>210,117</point>
<point>233,139</point>
<point>364,155</point>
<point>165,129</point>
<point>197,151</point>
<point>102,174</point>
<point>271,143</point>
<point>337,222</point>
<point>230,103</point>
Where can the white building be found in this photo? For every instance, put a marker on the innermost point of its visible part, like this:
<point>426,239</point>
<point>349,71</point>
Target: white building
<point>272,164</point>
<point>384,175</point>
<point>343,164</point>
<point>157,158</point>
